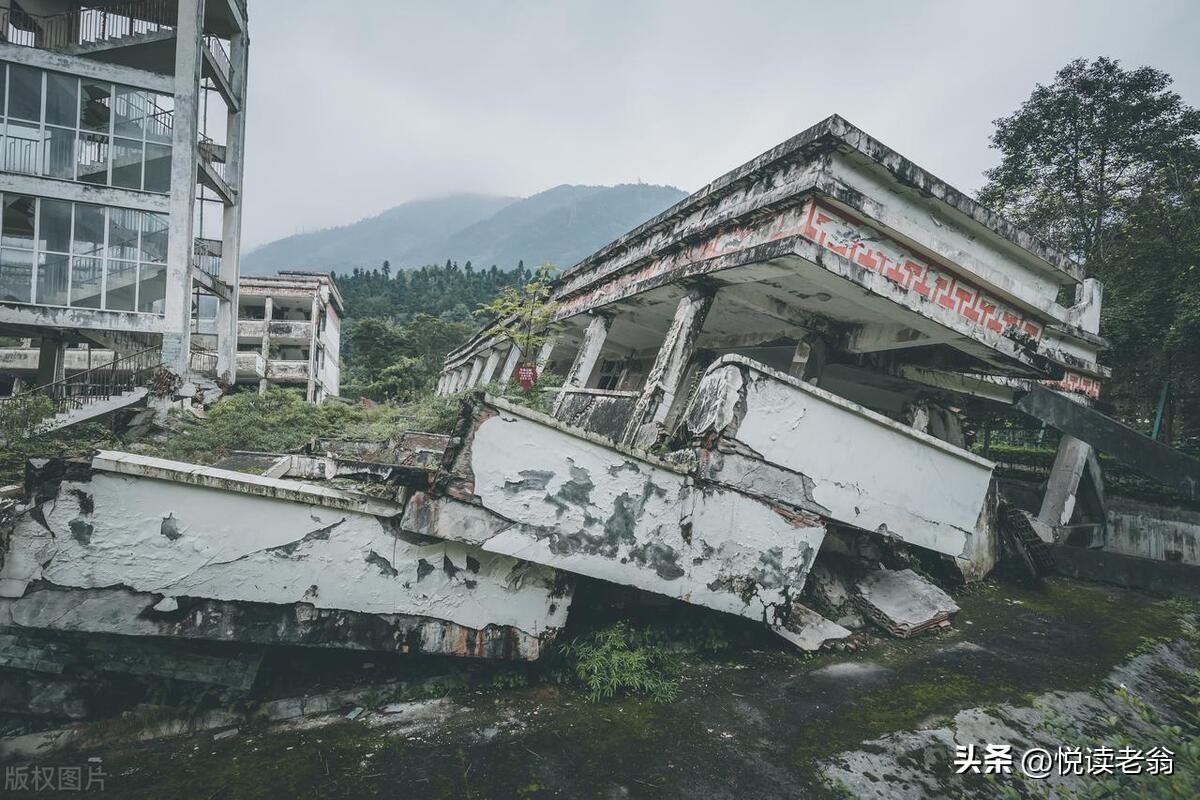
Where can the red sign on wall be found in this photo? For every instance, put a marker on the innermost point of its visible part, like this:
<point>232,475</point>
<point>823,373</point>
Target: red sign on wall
<point>525,375</point>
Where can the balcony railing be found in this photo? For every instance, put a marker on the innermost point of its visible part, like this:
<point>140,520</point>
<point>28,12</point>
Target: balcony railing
<point>206,256</point>
<point>220,56</point>
<point>87,25</point>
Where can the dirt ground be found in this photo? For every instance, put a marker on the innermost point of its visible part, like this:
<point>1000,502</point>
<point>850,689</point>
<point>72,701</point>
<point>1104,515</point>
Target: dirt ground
<point>748,724</point>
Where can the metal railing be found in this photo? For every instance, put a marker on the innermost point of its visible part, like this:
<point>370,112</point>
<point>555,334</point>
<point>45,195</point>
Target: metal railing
<point>206,256</point>
<point>203,361</point>
<point>220,56</point>
<point>87,25</point>
<point>84,388</point>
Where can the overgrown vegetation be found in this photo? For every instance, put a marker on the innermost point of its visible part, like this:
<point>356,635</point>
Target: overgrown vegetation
<point>1104,164</point>
<point>21,439</point>
<point>622,660</point>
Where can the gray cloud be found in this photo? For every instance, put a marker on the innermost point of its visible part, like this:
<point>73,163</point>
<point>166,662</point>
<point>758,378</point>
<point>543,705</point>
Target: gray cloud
<point>360,105</point>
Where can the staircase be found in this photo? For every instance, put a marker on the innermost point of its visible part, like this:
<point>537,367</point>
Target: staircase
<point>84,396</point>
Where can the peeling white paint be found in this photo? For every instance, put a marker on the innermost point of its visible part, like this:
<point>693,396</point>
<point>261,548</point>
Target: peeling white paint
<point>578,505</point>
<point>175,539</point>
<point>862,469</point>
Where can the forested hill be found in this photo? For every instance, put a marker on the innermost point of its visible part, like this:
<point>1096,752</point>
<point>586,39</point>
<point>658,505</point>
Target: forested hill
<point>560,225</point>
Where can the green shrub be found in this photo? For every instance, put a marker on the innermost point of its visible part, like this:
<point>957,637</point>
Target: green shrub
<point>620,660</point>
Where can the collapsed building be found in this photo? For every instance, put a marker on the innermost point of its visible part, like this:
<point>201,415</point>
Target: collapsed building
<point>761,384</point>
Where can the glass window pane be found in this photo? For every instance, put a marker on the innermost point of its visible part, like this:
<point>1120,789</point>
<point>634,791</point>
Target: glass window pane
<point>3,81</point>
<point>158,168</point>
<point>22,148</point>
<point>152,288</point>
<point>52,280</point>
<point>127,164</point>
<point>16,275</point>
<point>86,274</point>
<point>54,226</point>
<point>93,158</point>
<point>60,154</point>
<point>62,99</point>
<point>154,237</point>
<point>89,230</point>
<point>123,225</point>
<point>129,110</point>
<point>24,92</point>
<point>95,106</point>
<point>18,221</point>
<point>122,284</point>
<point>160,117</point>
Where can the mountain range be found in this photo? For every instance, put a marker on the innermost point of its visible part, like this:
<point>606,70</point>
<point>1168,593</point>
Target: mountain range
<point>560,225</point>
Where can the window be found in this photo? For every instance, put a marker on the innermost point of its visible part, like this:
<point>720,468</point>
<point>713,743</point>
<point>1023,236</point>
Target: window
<point>58,253</point>
<point>69,128</point>
<point>611,371</point>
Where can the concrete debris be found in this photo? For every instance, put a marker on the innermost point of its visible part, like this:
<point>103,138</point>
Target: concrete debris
<point>903,603</point>
<point>225,734</point>
<point>808,630</point>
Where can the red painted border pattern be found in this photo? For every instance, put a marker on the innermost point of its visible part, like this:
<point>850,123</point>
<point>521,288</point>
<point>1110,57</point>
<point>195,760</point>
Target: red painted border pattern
<point>1079,384</point>
<point>872,251</point>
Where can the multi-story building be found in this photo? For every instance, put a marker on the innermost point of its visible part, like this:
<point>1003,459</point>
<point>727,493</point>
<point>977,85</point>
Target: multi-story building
<point>289,334</point>
<point>121,154</point>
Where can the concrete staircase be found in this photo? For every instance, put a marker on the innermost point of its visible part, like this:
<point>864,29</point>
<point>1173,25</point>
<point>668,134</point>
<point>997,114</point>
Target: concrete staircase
<point>84,396</point>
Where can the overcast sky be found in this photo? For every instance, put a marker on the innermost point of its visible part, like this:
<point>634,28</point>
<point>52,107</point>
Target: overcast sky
<point>360,105</point>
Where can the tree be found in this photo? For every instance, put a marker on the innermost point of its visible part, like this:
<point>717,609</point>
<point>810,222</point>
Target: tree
<point>1079,150</point>
<point>1104,164</point>
<point>387,269</point>
<point>524,315</point>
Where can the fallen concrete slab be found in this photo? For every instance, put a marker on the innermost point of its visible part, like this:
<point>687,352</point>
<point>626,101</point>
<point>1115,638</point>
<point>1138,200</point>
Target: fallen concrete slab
<point>152,529</point>
<point>522,484</point>
<point>773,435</point>
<point>903,603</point>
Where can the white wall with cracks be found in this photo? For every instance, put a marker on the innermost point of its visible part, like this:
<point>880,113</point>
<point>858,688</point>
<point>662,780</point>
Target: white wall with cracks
<point>172,539</point>
<point>580,505</point>
<point>777,435</point>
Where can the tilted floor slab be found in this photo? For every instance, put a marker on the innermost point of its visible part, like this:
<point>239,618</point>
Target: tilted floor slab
<point>523,485</point>
<point>777,436</point>
<point>165,538</point>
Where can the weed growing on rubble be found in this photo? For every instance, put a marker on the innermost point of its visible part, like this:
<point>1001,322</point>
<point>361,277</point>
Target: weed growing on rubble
<point>619,659</point>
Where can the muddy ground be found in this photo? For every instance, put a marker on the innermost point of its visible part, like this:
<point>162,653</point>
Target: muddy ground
<point>750,723</point>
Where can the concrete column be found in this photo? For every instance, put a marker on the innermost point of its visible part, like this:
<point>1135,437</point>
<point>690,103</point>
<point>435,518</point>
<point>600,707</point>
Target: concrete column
<point>808,360</point>
<point>663,382</point>
<point>177,322</point>
<point>460,378</point>
<point>476,369</point>
<point>585,360</point>
<point>544,354</point>
<point>263,383</point>
<point>52,360</point>
<point>441,385</point>
<point>231,223</point>
<point>1058,504</point>
<point>510,364</point>
<point>313,316</point>
<point>489,366</point>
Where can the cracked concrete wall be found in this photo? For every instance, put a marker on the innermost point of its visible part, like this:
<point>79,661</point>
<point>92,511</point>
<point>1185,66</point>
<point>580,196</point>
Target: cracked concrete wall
<point>176,540</point>
<point>526,487</point>
<point>775,435</point>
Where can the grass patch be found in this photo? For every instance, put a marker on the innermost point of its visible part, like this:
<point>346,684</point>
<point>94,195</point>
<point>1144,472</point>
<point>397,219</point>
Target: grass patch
<point>619,660</point>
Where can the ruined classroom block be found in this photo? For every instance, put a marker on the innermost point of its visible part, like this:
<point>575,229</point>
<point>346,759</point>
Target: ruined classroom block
<point>523,485</point>
<point>903,603</point>
<point>181,531</point>
<point>773,435</point>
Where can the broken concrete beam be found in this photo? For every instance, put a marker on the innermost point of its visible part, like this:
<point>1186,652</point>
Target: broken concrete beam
<point>1132,448</point>
<point>773,435</point>
<point>161,534</point>
<point>903,603</point>
<point>522,484</point>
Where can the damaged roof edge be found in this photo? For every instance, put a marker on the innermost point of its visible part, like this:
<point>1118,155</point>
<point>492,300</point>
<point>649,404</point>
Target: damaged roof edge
<point>244,483</point>
<point>850,405</point>
<point>905,171</point>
